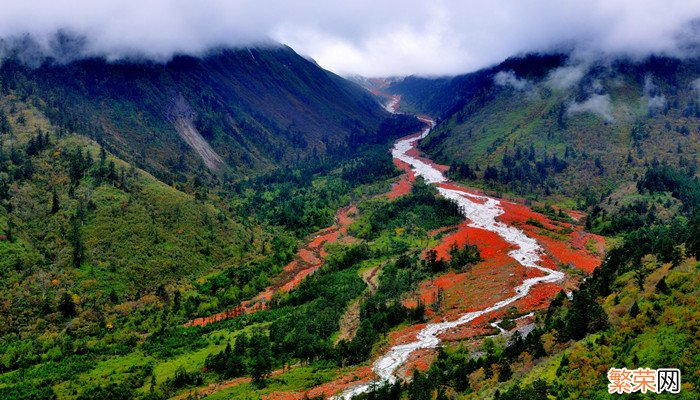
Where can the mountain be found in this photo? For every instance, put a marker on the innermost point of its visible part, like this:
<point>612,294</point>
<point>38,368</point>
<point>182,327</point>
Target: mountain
<point>232,112</point>
<point>554,125</point>
<point>136,196</point>
<point>234,226</point>
<point>101,263</point>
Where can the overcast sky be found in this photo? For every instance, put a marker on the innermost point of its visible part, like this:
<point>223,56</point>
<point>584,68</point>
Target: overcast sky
<point>367,37</point>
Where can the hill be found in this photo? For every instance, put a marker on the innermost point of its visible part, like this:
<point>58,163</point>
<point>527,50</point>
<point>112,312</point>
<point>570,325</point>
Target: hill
<point>102,261</point>
<point>231,112</point>
<point>554,125</point>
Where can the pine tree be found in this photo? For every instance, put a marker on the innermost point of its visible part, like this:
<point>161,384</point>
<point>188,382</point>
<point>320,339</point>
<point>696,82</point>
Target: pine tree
<point>76,241</point>
<point>634,310</point>
<point>10,232</point>
<point>504,371</point>
<point>54,202</point>
<point>66,305</point>
<point>4,124</point>
<point>661,286</point>
<point>260,363</point>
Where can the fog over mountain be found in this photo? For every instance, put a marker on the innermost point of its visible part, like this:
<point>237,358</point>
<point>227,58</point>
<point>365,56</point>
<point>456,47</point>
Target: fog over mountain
<point>372,38</point>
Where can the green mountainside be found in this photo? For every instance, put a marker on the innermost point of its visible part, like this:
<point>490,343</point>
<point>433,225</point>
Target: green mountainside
<point>551,125</point>
<point>114,232</point>
<point>246,110</point>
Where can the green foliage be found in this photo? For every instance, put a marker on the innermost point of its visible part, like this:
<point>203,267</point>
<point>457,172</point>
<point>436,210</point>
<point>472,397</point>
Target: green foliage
<point>553,214</point>
<point>682,185</point>
<point>27,391</point>
<point>261,358</point>
<point>5,126</point>
<point>521,171</point>
<point>174,341</point>
<point>421,210</point>
<point>111,391</point>
<point>230,362</point>
<point>182,378</point>
<point>319,301</point>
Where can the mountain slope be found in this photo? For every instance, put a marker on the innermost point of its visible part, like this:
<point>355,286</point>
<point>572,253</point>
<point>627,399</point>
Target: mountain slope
<point>101,263</point>
<point>239,111</point>
<point>550,124</point>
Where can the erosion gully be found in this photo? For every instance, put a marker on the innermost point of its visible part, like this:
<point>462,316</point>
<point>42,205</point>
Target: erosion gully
<point>308,259</point>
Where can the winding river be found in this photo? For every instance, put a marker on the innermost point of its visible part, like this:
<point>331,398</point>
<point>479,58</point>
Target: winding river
<point>481,212</point>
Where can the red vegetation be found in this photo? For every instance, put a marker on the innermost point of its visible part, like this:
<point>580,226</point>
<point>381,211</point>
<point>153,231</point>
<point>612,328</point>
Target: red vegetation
<point>400,188</point>
<point>352,378</point>
<point>538,298</point>
<point>308,260</point>
<point>564,242</point>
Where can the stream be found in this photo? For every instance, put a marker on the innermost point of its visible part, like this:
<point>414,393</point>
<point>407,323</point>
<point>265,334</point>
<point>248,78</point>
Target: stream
<point>481,212</point>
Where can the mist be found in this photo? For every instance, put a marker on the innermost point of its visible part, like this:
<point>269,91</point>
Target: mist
<point>599,104</point>
<point>370,38</point>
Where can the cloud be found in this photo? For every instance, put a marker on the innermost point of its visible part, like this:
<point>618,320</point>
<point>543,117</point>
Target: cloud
<point>652,100</point>
<point>372,38</point>
<point>566,77</point>
<point>695,84</point>
<point>508,79</point>
<point>597,104</point>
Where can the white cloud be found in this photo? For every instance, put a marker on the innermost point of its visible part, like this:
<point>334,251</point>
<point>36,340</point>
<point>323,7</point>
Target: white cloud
<point>374,38</point>
<point>597,104</point>
<point>652,100</point>
<point>508,79</point>
<point>696,86</point>
<point>566,77</point>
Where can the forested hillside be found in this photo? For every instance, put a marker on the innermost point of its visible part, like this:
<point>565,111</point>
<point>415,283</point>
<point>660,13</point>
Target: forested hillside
<point>237,111</point>
<point>554,125</point>
<point>102,262</point>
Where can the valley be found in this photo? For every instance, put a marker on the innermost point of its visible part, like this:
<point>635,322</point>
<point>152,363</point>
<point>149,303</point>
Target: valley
<point>244,224</point>
<point>522,268</point>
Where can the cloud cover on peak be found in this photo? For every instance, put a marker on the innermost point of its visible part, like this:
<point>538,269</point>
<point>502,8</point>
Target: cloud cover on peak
<point>371,38</point>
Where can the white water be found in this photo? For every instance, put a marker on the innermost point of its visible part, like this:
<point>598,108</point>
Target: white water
<point>526,252</point>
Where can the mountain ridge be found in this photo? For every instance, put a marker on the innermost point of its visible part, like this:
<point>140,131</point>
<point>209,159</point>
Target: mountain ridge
<point>256,107</point>
<point>581,122</point>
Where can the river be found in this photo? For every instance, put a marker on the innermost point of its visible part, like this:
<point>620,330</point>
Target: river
<point>481,212</point>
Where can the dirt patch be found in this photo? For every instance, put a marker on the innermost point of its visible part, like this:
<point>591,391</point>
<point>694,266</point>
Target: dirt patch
<point>192,137</point>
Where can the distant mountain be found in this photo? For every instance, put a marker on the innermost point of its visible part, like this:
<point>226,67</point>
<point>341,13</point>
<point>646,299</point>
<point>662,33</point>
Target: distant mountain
<point>235,111</point>
<point>552,125</point>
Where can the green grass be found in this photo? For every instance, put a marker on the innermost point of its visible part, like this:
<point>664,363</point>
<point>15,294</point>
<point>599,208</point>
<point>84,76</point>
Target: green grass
<point>296,379</point>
